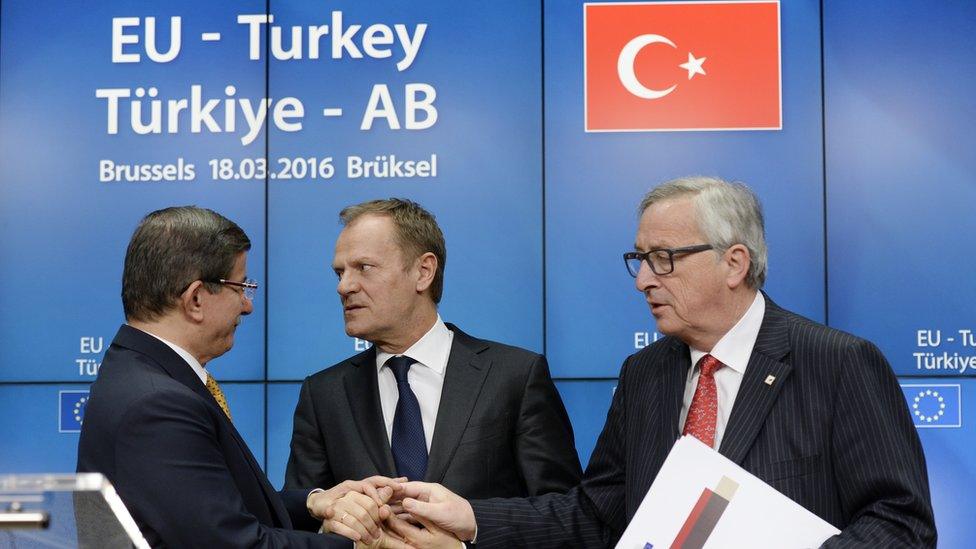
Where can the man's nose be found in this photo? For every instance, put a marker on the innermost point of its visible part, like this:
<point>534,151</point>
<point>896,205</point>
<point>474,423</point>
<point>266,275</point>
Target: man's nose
<point>346,285</point>
<point>646,278</point>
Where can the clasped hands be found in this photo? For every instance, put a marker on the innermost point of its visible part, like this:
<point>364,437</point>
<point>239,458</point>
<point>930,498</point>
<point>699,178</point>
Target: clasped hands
<point>380,512</point>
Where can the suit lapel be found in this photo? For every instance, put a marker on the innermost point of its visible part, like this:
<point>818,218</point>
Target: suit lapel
<point>177,368</point>
<point>463,379</point>
<point>661,407</point>
<point>363,395</point>
<point>172,363</point>
<point>270,494</point>
<point>673,386</point>
<point>756,397</point>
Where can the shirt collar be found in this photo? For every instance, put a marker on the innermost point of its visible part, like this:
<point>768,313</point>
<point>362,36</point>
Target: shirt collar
<point>735,347</point>
<point>430,350</point>
<point>185,355</point>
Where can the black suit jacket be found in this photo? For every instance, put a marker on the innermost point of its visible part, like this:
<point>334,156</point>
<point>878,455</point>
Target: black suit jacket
<point>832,432</point>
<point>501,427</point>
<point>182,469</point>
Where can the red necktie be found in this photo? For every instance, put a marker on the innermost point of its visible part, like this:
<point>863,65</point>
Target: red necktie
<point>703,411</point>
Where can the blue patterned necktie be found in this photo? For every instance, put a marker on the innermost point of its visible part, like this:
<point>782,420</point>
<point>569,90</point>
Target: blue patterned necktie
<point>408,443</point>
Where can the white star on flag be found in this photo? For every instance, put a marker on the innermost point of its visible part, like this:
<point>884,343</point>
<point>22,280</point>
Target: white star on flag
<point>694,65</point>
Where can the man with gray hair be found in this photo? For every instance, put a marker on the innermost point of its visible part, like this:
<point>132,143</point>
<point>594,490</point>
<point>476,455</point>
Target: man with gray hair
<point>814,412</point>
<point>157,424</point>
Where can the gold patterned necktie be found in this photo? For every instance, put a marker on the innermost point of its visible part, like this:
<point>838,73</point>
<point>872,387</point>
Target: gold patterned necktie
<point>218,395</point>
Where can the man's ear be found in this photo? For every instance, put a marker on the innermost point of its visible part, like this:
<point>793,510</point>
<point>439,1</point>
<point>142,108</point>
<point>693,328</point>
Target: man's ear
<point>191,300</point>
<point>427,269</point>
<point>738,260</point>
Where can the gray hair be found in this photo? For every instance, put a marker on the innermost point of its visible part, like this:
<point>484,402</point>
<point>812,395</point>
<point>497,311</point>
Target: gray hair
<point>170,249</point>
<point>727,214</point>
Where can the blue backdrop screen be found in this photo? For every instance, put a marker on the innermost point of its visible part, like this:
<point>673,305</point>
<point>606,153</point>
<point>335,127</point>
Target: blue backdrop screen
<point>278,114</point>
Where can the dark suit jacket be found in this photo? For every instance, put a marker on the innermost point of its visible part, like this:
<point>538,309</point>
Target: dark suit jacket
<point>501,427</point>
<point>832,432</point>
<point>177,462</point>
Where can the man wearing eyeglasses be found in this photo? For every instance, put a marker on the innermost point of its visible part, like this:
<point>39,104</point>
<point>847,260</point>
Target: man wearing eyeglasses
<point>157,424</point>
<point>814,412</point>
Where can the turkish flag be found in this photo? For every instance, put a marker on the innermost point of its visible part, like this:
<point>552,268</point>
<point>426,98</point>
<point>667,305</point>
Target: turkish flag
<point>674,66</point>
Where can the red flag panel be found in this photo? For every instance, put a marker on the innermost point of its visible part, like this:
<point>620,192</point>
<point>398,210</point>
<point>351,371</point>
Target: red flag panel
<point>682,66</point>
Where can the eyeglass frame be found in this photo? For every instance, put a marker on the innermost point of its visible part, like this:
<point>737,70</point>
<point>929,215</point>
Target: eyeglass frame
<point>644,257</point>
<point>249,287</point>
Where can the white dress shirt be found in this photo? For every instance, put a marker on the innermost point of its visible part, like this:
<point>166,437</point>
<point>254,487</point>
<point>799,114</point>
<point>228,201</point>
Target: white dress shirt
<point>426,377</point>
<point>733,350</point>
<point>198,369</point>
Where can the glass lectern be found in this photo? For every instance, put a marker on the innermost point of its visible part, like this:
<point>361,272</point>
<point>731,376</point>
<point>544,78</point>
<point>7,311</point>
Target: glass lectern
<point>66,511</point>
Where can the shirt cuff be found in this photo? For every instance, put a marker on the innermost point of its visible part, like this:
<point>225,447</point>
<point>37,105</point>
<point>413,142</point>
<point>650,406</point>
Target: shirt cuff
<point>308,500</point>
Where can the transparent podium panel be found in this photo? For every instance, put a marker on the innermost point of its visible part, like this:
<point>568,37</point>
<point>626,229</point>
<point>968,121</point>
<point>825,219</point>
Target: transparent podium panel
<point>64,511</point>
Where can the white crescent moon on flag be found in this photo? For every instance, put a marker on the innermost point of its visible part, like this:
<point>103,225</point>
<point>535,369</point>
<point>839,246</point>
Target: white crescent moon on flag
<point>625,66</point>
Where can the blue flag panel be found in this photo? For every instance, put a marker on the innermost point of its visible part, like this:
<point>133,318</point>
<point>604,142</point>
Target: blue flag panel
<point>72,410</point>
<point>934,405</point>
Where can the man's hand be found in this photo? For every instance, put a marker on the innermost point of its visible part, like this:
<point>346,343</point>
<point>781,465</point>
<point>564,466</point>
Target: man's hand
<point>354,508</point>
<point>428,537</point>
<point>434,505</point>
<point>386,540</point>
<point>320,503</point>
<point>358,517</point>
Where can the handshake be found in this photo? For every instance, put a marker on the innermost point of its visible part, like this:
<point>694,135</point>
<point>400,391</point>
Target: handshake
<point>381,512</point>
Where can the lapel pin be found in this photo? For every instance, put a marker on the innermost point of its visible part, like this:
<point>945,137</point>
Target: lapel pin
<point>770,379</point>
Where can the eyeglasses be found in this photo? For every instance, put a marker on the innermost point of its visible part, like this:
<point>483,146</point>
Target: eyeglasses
<point>248,288</point>
<point>661,260</point>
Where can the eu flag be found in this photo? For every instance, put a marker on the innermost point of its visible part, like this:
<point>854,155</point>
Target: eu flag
<point>934,405</point>
<point>72,410</point>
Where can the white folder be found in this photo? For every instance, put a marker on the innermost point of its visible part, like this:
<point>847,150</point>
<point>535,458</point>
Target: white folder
<point>713,503</point>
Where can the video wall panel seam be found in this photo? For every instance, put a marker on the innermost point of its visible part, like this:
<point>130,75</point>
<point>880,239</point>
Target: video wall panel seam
<point>267,224</point>
<point>542,123</point>
<point>823,160</point>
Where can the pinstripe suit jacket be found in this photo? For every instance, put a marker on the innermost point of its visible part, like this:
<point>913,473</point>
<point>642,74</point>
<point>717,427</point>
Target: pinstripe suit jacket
<point>833,433</point>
